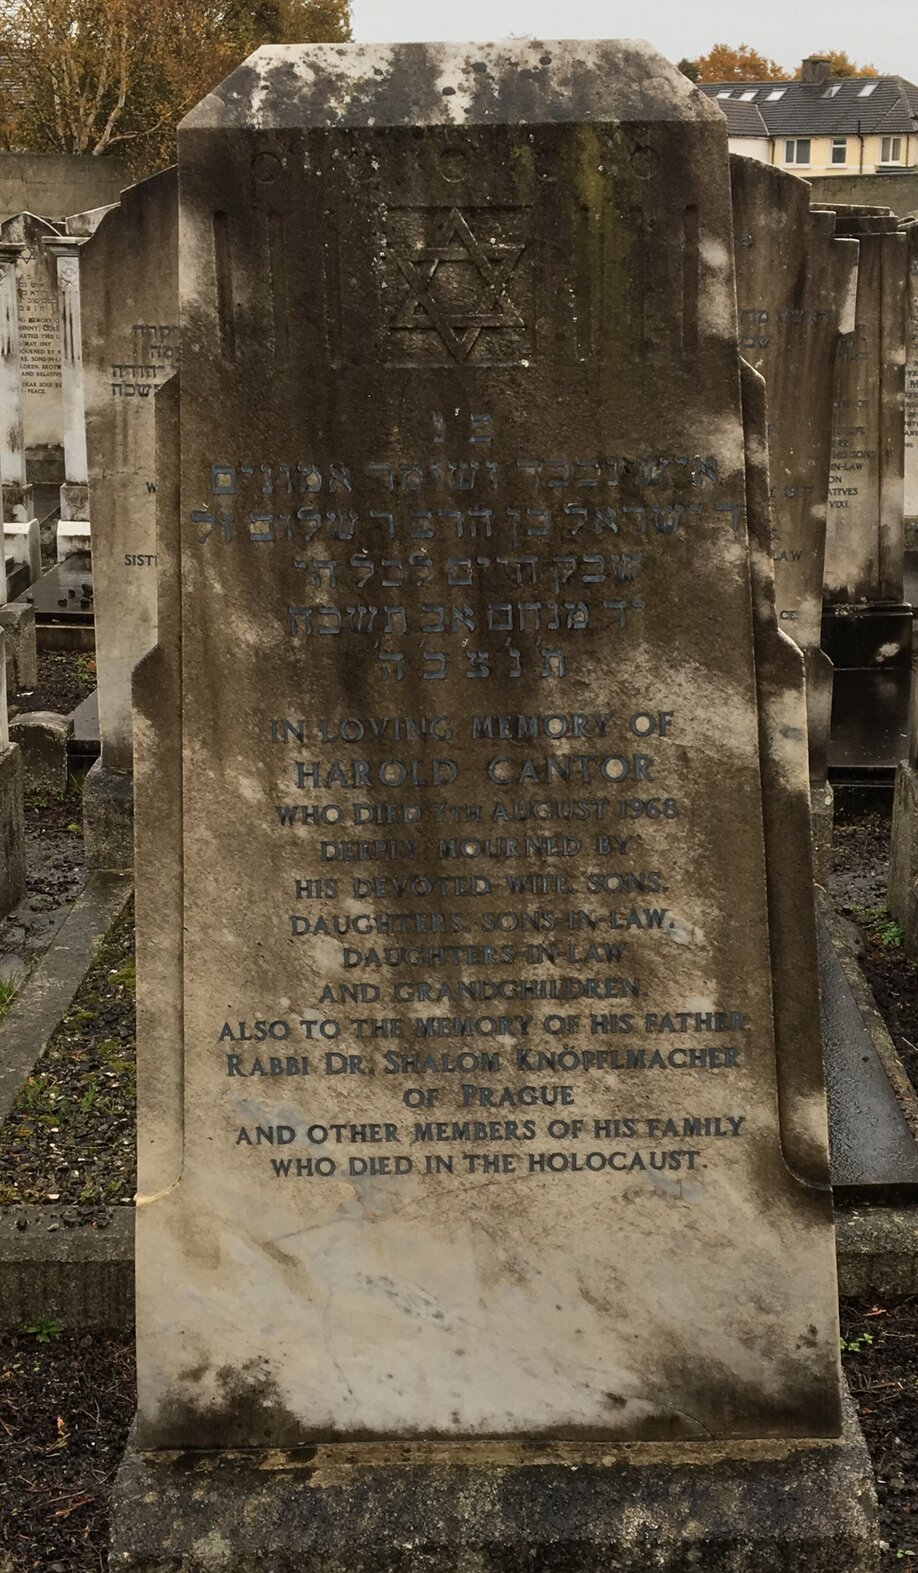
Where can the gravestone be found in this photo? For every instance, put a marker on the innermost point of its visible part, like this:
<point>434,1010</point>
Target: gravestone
<point>867,630</point>
<point>795,285</point>
<point>129,295</point>
<point>12,820</point>
<point>65,250</point>
<point>21,541</point>
<point>902,888</point>
<point>910,229</point>
<point>477,1121</point>
<point>39,346</point>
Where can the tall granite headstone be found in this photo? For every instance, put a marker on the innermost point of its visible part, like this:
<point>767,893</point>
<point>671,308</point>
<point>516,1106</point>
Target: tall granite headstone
<point>867,630</point>
<point>39,345</point>
<point>480,1071</point>
<point>129,295</point>
<point>795,288</point>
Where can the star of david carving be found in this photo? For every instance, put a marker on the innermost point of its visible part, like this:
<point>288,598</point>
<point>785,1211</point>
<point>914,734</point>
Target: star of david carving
<point>439,297</point>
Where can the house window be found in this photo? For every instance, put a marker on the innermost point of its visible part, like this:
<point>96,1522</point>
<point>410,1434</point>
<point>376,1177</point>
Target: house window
<point>727,94</point>
<point>775,94</point>
<point>749,96</point>
<point>867,89</point>
<point>839,150</point>
<point>832,90</point>
<point>797,150</point>
<point>890,150</point>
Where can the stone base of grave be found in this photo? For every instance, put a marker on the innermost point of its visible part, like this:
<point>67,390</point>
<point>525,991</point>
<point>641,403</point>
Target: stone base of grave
<point>22,545</point>
<point>822,814</point>
<point>108,819</point>
<point>901,894</point>
<point>73,535</point>
<point>12,829</point>
<point>801,1507</point>
<point>17,623</point>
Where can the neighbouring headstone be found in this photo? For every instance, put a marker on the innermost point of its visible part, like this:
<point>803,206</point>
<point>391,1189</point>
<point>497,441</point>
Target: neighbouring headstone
<point>480,1068</point>
<point>66,252</point>
<point>39,338</point>
<point>910,229</point>
<point>795,287</point>
<point>12,820</point>
<point>18,509</point>
<point>129,293</point>
<point>867,631</point>
<point>902,887</point>
<point>21,541</point>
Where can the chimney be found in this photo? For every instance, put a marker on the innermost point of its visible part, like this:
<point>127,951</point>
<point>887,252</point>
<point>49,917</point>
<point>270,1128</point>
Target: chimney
<point>816,68</point>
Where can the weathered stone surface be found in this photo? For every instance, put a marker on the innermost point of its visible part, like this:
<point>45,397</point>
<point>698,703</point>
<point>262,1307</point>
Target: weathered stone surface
<point>17,620</point>
<point>39,341</point>
<point>12,828</point>
<point>129,290</point>
<point>508,524</point>
<point>80,1277</point>
<point>787,1507</point>
<point>911,383</point>
<point>108,818</point>
<point>42,737</point>
<point>22,544</point>
<point>865,550</point>
<point>796,288</point>
<point>73,536</point>
<point>867,633</point>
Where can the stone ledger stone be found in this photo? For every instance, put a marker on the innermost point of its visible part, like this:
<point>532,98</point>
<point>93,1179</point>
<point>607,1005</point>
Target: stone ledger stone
<point>796,286</point>
<point>129,294</point>
<point>484,1102</point>
<point>867,632</point>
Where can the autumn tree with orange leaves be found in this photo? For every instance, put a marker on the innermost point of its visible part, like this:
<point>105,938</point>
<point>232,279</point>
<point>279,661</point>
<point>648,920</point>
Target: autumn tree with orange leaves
<point>742,63</point>
<point>93,76</point>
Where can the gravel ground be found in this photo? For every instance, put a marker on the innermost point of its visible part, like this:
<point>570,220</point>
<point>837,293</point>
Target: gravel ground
<point>858,887</point>
<point>65,678</point>
<point>66,1404</point>
<point>69,1137</point>
<point>880,1356</point>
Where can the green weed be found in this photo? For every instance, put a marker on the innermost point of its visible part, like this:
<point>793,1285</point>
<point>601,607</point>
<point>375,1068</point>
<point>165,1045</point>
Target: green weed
<point>45,1329</point>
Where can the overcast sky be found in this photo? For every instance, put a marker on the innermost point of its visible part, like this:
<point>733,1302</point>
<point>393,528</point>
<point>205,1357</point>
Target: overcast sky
<point>884,32</point>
